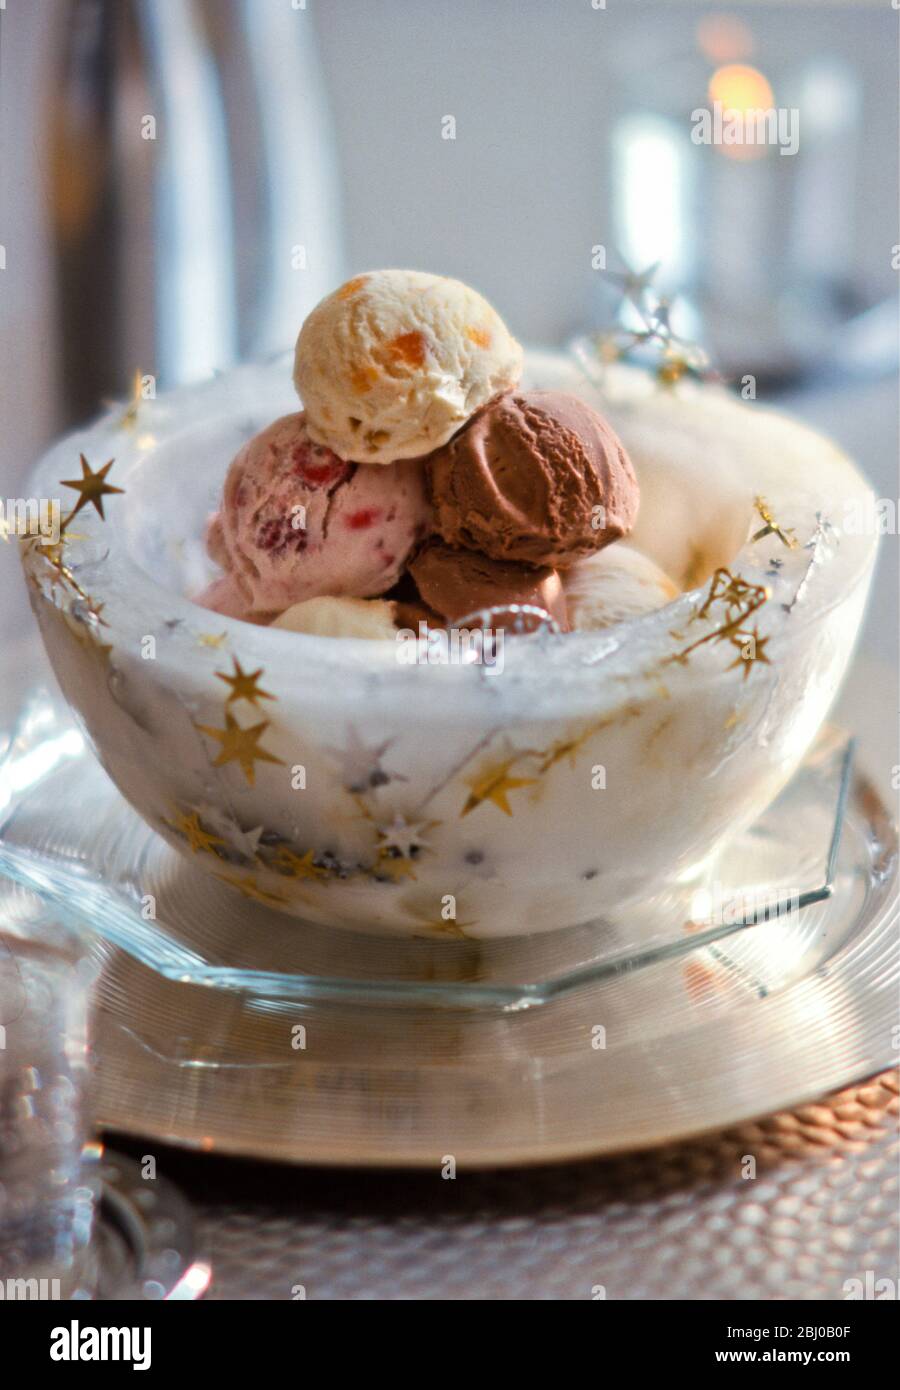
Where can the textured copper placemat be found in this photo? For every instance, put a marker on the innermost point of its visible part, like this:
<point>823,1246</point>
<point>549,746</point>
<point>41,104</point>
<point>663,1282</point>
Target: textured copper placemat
<point>682,1222</point>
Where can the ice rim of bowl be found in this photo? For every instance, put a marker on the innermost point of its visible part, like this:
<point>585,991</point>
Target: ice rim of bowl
<point>634,650</point>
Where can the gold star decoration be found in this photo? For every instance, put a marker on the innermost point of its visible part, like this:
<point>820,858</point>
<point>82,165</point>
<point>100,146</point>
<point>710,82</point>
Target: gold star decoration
<point>128,419</point>
<point>85,633</point>
<point>53,554</point>
<point>211,639</point>
<point>565,748</point>
<point>771,527</point>
<point>244,685</point>
<point>245,842</point>
<point>493,785</point>
<point>249,888</point>
<point>64,577</point>
<point>733,591</point>
<point>191,827</point>
<point>91,488</point>
<point>297,866</point>
<point>393,866</point>
<point>740,599</point>
<point>571,746</point>
<point>240,745</point>
<point>672,368</point>
<point>751,648</point>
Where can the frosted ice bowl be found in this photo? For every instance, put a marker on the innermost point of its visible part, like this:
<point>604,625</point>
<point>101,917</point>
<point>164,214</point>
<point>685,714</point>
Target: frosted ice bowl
<point>330,779</point>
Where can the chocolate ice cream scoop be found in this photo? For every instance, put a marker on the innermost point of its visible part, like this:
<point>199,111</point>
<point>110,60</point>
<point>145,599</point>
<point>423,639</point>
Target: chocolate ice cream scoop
<point>538,478</point>
<point>457,582</point>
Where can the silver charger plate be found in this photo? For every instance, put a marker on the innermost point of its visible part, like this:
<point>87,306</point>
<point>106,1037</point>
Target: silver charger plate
<point>227,1027</point>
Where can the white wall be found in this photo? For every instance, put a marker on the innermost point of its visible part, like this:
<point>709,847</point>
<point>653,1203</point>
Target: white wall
<point>515,203</point>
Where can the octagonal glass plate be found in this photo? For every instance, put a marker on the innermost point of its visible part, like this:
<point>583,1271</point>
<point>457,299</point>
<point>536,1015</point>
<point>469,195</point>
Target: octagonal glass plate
<point>226,1026</point>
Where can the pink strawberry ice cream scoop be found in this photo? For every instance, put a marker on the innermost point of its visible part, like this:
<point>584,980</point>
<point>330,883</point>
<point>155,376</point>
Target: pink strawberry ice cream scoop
<point>297,522</point>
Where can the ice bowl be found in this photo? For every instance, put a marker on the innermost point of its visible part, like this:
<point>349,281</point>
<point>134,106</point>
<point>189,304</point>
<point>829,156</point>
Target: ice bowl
<point>566,780</point>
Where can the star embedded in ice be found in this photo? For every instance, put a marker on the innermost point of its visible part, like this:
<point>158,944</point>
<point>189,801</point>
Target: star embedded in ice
<point>751,648</point>
<point>244,684</point>
<point>493,785</point>
<point>297,866</point>
<point>240,745</point>
<point>360,764</point>
<point>824,531</point>
<point>403,837</point>
<point>634,284</point>
<point>244,842</point>
<point>393,867</point>
<point>191,827</point>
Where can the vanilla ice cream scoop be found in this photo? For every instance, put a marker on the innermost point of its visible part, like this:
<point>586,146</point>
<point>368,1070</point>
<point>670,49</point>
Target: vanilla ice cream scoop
<point>393,363</point>
<point>613,585</point>
<point>372,618</point>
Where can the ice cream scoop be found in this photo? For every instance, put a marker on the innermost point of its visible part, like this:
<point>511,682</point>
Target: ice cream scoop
<point>455,583</point>
<point>395,362</point>
<point>538,478</point>
<point>340,617</point>
<point>297,522</point>
<point>617,583</point>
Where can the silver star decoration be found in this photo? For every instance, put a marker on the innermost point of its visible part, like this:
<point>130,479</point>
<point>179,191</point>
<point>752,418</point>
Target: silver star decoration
<point>634,284</point>
<point>245,842</point>
<point>823,536</point>
<point>824,532</point>
<point>360,763</point>
<point>660,317</point>
<point>403,837</point>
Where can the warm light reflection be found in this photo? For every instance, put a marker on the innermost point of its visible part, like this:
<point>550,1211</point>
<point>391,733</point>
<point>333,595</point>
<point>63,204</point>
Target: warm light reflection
<point>738,87</point>
<point>723,38</point>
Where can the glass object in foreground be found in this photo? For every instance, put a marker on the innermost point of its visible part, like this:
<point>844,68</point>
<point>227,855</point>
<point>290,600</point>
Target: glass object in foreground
<point>46,1201</point>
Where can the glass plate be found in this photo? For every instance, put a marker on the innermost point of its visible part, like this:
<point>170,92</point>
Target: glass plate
<point>226,1026</point>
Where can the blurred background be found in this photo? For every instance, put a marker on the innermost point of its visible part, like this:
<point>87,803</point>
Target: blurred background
<point>182,179</point>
